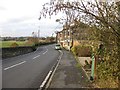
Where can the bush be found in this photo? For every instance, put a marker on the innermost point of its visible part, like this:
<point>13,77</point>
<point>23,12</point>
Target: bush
<point>14,44</point>
<point>107,70</point>
<point>82,51</point>
<point>29,43</point>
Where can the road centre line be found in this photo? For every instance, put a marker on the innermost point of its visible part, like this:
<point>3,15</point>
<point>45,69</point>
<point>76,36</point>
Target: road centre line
<point>40,53</point>
<point>14,65</point>
<point>45,51</point>
<point>36,56</point>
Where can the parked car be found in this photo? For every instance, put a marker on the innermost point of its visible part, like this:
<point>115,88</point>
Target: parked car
<point>57,47</point>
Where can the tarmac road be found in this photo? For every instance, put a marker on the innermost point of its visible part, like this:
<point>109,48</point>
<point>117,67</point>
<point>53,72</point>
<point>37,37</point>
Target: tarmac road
<point>29,70</point>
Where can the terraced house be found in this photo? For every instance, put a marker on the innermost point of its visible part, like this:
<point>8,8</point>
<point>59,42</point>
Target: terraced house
<point>65,37</point>
<point>73,34</point>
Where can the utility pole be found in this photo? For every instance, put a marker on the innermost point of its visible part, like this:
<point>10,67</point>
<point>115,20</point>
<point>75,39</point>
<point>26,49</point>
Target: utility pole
<point>56,32</point>
<point>39,33</point>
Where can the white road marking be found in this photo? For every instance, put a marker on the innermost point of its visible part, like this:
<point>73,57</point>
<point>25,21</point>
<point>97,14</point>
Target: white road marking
<point>43,83</point>
<point>36,50</point>
<point>36,57</point>
<point>14,65</point>
<point>45,51</point>
<point>50,74</point>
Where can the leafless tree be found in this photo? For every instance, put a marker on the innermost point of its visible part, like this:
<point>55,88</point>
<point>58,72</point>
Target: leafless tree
<point>103,17</point>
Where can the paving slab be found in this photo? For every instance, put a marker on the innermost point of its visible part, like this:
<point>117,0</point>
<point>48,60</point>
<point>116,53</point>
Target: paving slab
<point>68,75</point>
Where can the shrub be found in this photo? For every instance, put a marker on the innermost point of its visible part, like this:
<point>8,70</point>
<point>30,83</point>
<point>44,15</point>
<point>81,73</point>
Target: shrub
<point>14,44</point>
<point>34,40</point>
<point>82,51</point>
<point>29,43</point>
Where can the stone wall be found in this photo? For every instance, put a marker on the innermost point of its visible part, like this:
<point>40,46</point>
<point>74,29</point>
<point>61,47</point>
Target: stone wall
<point>15,51</point>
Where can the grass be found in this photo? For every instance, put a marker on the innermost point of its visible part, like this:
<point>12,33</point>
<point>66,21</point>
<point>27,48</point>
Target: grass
<point>9,43</point>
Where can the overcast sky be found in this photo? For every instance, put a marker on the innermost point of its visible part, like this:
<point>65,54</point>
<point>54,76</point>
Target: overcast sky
<point>20,18</point>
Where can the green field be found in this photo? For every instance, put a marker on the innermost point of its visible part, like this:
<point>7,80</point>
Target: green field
<point>9,43</point>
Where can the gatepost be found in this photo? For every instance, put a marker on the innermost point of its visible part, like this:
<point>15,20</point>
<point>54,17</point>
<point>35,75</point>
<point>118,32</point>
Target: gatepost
<point>92,68</point>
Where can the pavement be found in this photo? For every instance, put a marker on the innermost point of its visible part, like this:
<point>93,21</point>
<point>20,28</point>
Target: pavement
<point>68,75</point>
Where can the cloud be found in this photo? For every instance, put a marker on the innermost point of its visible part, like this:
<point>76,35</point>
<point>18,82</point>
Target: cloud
<point>26,25</point>
<point>20,18</point>
<point>2,8</point>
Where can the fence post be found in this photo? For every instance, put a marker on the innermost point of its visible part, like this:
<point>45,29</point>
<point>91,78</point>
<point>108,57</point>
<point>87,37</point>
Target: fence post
<point>92,68</point>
